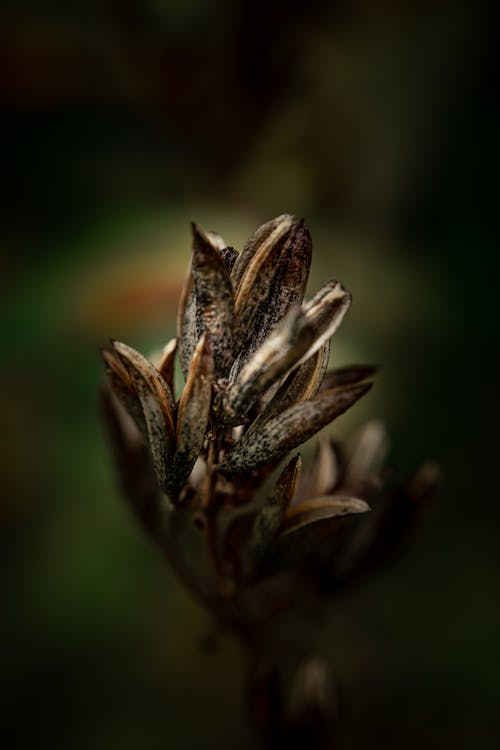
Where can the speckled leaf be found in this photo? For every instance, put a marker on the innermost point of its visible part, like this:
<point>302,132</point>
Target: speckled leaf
<point>187,330</point>
<point>123,388</point>
<point>325,312</point>
<point>166,365</point>
<point>194,408</point>
<point>156,402</point>
<point>214,300</point>
<point>301,384</point>
<point>279,352</point>
<point>274,282</point>
<point>286,431</point>
<point>259,240</point>
<point>321,509</point>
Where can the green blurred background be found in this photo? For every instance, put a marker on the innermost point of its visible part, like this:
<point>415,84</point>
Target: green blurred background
<point>124,121</point>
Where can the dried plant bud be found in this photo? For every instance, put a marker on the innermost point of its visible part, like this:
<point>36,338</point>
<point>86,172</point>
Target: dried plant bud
<point>269,363</point>
<point>322,509</point>
<point>188,332</point>
<point>123,388</point>
<point>254,356</point>
<point>259,241</point>
<point>194,409</point>
<point>325,312</point>
<point>214,300</point>
<point>166,365</point>
<point>291,428</point>
<point>274,281</point>
<point>156,402</point>
<point>301,384</point>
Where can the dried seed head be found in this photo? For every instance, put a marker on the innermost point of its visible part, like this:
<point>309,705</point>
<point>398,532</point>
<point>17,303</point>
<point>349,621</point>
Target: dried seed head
<point>254,356</point>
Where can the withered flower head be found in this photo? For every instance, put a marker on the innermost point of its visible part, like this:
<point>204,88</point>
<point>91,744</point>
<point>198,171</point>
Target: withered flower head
<point>197,465</point>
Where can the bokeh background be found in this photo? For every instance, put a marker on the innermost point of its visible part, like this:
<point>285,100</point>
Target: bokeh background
<point>122,122</point>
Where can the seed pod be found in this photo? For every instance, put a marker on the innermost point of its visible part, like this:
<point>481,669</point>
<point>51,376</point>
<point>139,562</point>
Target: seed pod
<point>214,300</point>
<point>194,408</point>
<point>270,362</point>
<point>166,365</point>
<point>321,509</point>
<point>157,403</point>
<point>286,431</point>
<point>274,281</point>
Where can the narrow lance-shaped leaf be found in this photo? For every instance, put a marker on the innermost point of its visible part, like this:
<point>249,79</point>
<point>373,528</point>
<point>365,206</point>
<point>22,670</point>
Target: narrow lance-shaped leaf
<point>166,365</point>
<point>283,433</point>
<point>123,388</point>
<point>268,520</point>
<point>274,282</point>
<point>214,300</point>
<point>193,412</point>
<point>321,509</point>
<point>325,312</point>
<point>270,362</point>
<point>301,384</point>
<point>187,330</point>
<point>155,400</point>
<point>267,233</point>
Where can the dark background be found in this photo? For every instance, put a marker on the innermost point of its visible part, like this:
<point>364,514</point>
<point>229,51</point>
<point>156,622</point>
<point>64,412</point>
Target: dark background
<point>122,122</point>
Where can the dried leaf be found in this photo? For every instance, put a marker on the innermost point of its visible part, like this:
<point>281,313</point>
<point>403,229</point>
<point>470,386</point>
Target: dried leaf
<point>270,362</point>
<point>268,520</point>
<point>263,236</point>
<point>286,431</point>
<point>321,509</point>
<point>194,408</point>
<point>156,402</point>
<point>123,388</point>
<point>166,365</point>
<point>274,281</point>
<point>186,323</point>
<point>301,384</point>
<point>187,327</point>
<point>325,312</point>
<point>214,300</point>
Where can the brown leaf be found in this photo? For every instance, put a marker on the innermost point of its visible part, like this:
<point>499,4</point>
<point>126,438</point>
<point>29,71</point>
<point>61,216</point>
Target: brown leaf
<point>321,509</point>
<point>166,366</point>
<point>286,431</point>
<point>274,281</point>
<point>301,384</point>
<point>214,300</point>
<point>157,403</point>
<point>194,409</point>
<point>325,312</point>
<point>270,362</point>
<point>123,388</point>
<point>264,235</point>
